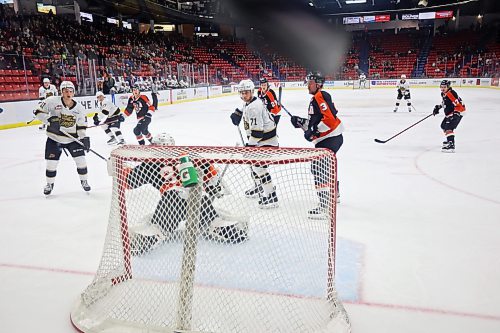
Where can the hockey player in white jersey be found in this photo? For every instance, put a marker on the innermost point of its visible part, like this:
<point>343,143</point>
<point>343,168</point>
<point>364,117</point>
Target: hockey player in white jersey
<point>403,91</point>
<point>261,132</point>
<point>113,117</point>
<point>46,90</point>
<point>64,116</point>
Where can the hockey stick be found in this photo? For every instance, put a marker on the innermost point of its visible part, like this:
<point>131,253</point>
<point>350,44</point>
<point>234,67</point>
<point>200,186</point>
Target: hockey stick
<point>392,137</point>
<point>241,136</point>
<point>288,112</point>
<point>105,123</point>
<point>81,144</point>
<point>279,94</point>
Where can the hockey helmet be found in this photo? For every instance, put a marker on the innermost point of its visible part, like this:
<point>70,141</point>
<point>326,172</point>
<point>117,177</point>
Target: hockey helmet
<point>67,85</point>
<point>136,86</point>
<point>246,85</point>
<point>263,80</point>
<point>99,94</point>
<point>46,80</point>
<point>403,76</point>
<point>445,83</point>
<point>163,139</point>
<point>316,77</point>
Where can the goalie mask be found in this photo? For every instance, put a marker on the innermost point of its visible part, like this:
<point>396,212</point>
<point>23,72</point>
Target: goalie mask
<point>163,139</point>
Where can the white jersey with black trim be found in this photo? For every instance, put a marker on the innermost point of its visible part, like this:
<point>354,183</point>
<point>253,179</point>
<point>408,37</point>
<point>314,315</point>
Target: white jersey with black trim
<point>107,110</point>
<point>43,92</point>
<point>259,124</point>
<point>403,86</point>
<point>72,119</point>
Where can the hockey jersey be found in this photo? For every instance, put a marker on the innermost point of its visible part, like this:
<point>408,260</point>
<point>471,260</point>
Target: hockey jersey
<point>106,110</point>
<point>452,103</point>
<point>323,117</point>
<point>140,105</point>
<point>71,118</point>
<point>269,99</point>
<point>43,92</point>
<point>259,124</point>
<point>403,86</point>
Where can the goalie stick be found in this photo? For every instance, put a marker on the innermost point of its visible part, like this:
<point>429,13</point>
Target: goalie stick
<point>392,137</point>
<point>81,144</point>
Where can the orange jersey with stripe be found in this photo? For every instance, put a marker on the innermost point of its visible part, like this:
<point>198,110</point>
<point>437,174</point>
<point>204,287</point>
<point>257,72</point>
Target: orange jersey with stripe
<point>141,106</point>
<point>323,116</point>
<point>270,101</point>
<point>452,103</point>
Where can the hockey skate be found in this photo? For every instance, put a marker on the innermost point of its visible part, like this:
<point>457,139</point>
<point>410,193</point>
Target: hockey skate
<point>409,109</point>
<point>253,192</point>
<point>121,142</point>
<point>228,235</point>
<point>85,185</point>
<point>112,141</point>
<point>449,147</point>
<point>48,188</point>
<point>318,213</point>
<point>396,109</point>
<point>271,201</point>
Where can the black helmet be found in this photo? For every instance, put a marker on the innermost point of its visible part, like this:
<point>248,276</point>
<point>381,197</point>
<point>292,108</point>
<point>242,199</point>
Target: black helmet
<point>316,77</point>
<point>262,80</point>
<point>446,83</point>
<point>136,86</point>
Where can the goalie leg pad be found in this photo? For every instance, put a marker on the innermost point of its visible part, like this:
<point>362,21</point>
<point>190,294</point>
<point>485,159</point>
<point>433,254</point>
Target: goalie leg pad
<point>171,210</point>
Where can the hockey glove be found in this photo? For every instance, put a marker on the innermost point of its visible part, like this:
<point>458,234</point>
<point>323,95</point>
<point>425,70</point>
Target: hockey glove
<point>96,119</point>
<point>121,118</point>
<point>54,125</point>
<point>310,135</point>
<point>236,116</point>
<point>436,110</point>
<point>86,143</point>
<point>299,122</point>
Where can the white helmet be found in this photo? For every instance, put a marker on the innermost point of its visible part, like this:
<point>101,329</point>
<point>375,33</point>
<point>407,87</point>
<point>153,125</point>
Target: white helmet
<point>403,76</point>
<point>246,85</point>
<point>46,80</point>
<point>163,139</point>
<point>99,94</point>
<point>67,85</point>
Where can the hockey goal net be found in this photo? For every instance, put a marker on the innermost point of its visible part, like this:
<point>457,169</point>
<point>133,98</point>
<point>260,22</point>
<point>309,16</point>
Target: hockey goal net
<point>211,258</point>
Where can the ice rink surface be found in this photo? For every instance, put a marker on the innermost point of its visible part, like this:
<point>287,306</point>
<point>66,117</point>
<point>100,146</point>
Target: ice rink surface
<point>427,223</point>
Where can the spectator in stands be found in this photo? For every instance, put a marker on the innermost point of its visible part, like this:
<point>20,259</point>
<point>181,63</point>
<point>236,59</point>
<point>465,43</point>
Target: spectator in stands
<point>109,82</point>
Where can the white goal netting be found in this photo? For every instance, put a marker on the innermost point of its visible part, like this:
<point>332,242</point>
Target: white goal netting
<point>249,248</point>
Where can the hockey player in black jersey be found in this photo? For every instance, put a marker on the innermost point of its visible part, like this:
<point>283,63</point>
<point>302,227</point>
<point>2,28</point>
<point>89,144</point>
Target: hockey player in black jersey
<point>171,210</point>
<point>144,110</point>
<point>268,97</point>
<point>454,110</point>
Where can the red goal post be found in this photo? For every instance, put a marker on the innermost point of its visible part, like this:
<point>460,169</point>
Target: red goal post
<point>277,275</point>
